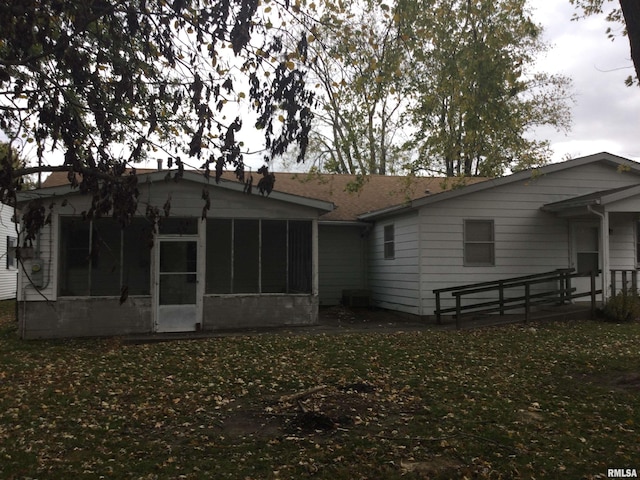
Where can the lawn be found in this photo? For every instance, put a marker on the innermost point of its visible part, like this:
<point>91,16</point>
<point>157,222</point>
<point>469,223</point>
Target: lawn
<point>555,400</point>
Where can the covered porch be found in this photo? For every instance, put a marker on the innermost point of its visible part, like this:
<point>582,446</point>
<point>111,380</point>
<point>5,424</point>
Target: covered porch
<point>603,236</point>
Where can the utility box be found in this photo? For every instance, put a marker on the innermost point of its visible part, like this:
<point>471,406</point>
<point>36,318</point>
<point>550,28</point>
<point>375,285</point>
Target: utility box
<point>37,273</point>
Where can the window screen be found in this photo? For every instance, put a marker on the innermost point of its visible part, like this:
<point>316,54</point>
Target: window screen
<point>479,244</point>
<point>274,256</point>
<point>246,256</point>
<point>300,259</point>
<point>219,238</point>
<point>98,257</point>
<point>259,256</point>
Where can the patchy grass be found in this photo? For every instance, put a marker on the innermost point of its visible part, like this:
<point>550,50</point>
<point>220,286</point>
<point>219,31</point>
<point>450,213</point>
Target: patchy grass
<point>558,401</point>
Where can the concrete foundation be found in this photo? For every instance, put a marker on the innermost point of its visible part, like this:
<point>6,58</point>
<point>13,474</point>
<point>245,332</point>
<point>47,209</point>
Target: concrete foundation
<point>255,311</point>
<point>84,317</point>
<point>97,317</point>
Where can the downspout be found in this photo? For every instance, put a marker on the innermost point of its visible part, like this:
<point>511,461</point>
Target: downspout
<point>604,237</point>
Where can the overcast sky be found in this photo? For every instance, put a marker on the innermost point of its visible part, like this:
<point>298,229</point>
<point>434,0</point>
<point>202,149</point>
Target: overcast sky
<point>606,113</point>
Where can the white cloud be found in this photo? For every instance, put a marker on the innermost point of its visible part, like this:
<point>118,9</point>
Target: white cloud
<point>606,113</point>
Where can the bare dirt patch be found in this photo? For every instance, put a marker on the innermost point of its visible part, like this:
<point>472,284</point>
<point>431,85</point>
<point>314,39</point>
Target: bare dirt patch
<point>319,410</point>
<point>436,465</point>
<point>623,381</point>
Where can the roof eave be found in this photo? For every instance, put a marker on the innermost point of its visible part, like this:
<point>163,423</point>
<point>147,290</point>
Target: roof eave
<point>160,175</point>
<point>564,206</point>
<point>531,174</point>
<point>385,212</point>
<point>622,195</point>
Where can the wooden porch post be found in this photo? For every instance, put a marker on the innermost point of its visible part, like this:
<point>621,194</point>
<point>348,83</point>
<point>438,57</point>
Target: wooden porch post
<point>606,263</point>
<point>604,249</point>
<point>315,278</point>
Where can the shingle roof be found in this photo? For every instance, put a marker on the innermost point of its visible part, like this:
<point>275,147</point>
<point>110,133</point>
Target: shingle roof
<point>351,196</point>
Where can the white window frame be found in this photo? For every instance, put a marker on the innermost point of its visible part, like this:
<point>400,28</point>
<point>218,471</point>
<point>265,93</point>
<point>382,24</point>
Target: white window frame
<point>12,260</point>
<point>389,242</point>
<point>466,225</point>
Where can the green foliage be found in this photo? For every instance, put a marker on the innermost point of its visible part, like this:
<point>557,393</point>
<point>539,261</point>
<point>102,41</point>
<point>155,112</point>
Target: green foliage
<point>478,95</point>
<point>359,75</point>
<point>441,86</point>
<point>106,83</point>
<point>497,403</point>
<point>623,307</point>
<point>11,161</point>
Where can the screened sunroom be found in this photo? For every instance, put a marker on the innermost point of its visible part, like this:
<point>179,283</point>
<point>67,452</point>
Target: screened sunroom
<point>252,262</point>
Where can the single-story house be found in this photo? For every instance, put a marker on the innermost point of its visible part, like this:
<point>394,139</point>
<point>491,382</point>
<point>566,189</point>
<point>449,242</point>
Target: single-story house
<point>317,240</point>
<point>8,242</point>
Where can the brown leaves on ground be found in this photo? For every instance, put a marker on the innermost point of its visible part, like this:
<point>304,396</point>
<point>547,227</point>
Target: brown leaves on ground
<point>496,403</point>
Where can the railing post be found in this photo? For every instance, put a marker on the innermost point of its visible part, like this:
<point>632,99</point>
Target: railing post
<point>561,287</point>
<point>527,288</point>
<point>458,314</point>
<point>624,282</point>
<point>593,294</point>
<point>613,283</point>
<point>501,294</point>
<point>438,316</point>
<point>634,281</point>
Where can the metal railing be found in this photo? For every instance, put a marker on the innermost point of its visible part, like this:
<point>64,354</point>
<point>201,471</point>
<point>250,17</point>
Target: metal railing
<point>559,293</point>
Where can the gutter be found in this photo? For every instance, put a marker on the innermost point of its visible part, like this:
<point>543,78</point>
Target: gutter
<point>386,211</point>
<point>343,223</point>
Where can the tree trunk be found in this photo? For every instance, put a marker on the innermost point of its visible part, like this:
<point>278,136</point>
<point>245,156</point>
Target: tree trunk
<point>631,12</point>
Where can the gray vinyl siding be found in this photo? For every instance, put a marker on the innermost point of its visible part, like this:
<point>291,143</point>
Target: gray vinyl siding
<point>527,240</point>
<point>622,240</point>
<point>43,248</point>
<point>394,283</point>
<point>341,252</point>
<point>8,275</point>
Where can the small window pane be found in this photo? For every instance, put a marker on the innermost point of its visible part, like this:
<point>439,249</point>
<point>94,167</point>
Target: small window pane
<point>178,226</point>
<point>12,243</point>
<point>587,262</point>
<point>587,239</point>
<point>479,231</point>
<point>178,256</point>
<point>178,289</point>
<point>479,254</point>
<point>389,242</point>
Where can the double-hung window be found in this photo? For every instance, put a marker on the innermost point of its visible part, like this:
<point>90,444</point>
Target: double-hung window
<point>12,261</point>
<point>389,242</point>
<point>479,243</point>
